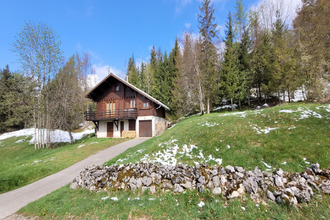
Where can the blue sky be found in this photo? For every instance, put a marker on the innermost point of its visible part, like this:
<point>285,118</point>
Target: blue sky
<point>111,31</point>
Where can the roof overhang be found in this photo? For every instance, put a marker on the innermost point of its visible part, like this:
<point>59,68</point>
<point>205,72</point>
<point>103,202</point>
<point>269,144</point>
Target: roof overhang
<point>92,94</point>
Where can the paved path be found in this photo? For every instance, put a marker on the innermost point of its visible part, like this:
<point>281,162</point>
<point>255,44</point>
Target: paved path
<point>13,201</point>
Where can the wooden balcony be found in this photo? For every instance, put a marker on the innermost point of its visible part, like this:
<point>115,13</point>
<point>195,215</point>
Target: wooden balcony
<point>130,113</point>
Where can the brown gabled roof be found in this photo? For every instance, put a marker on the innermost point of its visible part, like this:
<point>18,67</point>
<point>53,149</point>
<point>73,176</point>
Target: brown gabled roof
<point>91,94</point>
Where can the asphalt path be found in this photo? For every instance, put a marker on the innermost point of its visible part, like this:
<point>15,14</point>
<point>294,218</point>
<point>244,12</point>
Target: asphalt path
<point>12,201</point>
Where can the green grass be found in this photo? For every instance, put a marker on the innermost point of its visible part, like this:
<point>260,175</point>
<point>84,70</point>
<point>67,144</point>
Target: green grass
<point>286,147</point>
<point>309,139</point>
<point>83,204</point>
<point>21,164</point>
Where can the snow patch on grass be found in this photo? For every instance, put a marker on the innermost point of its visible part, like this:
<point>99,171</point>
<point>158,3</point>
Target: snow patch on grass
<point>208,124</point>
<point>201,204</point>
<point>56,136</point>
<point>259,130</point>
<point>170,152</point>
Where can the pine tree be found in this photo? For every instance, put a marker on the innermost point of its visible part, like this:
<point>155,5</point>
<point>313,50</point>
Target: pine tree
<point>208,32</point>
<point>132,72</point>
<point>15,100</point>
<point>230,69</point>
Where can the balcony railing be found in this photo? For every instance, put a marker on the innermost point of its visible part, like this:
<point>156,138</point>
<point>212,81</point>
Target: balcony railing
<point>106,115</point>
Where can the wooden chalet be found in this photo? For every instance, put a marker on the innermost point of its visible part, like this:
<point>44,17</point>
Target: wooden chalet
<point>122,110</point>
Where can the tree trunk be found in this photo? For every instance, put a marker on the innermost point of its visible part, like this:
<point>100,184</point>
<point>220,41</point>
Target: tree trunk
<point>71,137</point>
<point>239,104</point>
<point>231,103</point>
<point>208,105</point>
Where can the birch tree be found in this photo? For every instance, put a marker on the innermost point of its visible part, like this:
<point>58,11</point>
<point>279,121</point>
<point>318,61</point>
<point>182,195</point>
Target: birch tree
<point>38,50</point>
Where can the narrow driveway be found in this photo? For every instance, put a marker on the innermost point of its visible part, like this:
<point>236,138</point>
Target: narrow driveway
<point>13,201</point>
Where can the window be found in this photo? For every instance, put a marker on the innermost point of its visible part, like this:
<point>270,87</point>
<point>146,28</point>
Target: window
<point>111,107</point>
<point>132,103</point>
<point>117,88</point>
<point>146,105</point>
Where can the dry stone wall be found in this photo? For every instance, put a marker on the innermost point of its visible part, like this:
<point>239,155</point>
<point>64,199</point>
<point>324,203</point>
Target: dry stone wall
<point>231,182</point>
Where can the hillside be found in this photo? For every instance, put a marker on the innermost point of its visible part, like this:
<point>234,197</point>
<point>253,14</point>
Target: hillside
<point>289,137</point>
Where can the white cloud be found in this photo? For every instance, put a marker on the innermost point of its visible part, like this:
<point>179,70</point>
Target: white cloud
<point>266,10</point>
<point>102,71</point>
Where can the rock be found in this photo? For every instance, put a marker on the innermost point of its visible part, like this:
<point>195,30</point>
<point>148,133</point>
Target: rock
<point>278,181</point>
<point>178,188</point>
<point>325,186</point>
<point>216,181</point>
<point>239,169</point>
<point>229,169</point>
<point>167,185</point>
<point>214,172</point>
<point>209,185</point>
<point>280,172</point>
<point>239,175</point>
<point>153,189</point>
<point>200,187</point>
<point>316,168</point>
<point>251,185</point>
<point>138,183</point>
<point>187,185</point>
<point>97,174</point>
<point>241,189</point>
<point>146,181</point>
<point>216,191</point>
<point>74,185</point>
<point>270,195</point>
<point>201,180</point>
<point>234,194</point>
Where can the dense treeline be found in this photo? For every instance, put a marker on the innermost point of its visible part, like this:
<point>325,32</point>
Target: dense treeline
<point>260,59</point>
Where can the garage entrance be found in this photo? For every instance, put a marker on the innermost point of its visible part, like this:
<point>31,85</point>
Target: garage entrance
<point>145,128</point>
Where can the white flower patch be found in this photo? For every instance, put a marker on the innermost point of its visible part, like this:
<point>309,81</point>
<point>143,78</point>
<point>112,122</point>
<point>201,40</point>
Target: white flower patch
<point>269,167</point>
<point>114,198</point>
<point>284,163</point>
<point>228,147</point>
<point>104,198</point>
<point>292,127</point>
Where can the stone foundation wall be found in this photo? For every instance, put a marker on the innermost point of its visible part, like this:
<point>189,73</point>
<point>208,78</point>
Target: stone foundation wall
<point>231,182</point>
<point>129,134</point>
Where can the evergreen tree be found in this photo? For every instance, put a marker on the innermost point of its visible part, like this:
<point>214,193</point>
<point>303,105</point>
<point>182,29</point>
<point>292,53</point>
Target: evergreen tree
<point>230,68</point>
<point>208,32</point>
<point>15,100</point>
<point>244,66</point>
<point>132,72</point>
<point>240,20</point>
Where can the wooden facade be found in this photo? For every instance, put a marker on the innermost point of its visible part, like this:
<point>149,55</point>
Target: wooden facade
<point>117,100</point>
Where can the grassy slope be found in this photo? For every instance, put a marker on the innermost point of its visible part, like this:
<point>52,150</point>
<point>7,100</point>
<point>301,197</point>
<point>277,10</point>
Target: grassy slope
<point>21,164</point>
<point>307,138</point>
<point>310,140</point>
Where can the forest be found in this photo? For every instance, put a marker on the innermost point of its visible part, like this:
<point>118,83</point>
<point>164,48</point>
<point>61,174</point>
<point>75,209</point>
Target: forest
<point>262,58</point>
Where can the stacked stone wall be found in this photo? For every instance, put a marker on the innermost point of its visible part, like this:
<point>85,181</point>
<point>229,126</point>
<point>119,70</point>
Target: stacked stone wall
<point>231,182</point>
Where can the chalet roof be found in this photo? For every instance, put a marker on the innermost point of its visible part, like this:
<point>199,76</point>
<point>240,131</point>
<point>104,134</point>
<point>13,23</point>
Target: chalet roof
<point>98,88</point>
